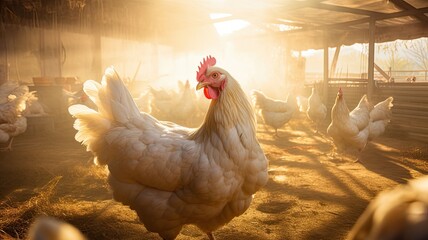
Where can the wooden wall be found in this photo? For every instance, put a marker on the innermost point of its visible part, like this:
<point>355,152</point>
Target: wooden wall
<point>410,111</point>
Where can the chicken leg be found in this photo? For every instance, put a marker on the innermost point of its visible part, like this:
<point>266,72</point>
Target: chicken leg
<point>276,133</point>
<point>9,146</point>
<point>211,236</point>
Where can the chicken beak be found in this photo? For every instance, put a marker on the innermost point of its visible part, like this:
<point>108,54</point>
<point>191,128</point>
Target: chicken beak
<point>200,85</point>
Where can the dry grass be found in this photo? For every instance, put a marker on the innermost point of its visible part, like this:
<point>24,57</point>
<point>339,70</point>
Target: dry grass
<point>18,216</point>
<point>309,195</point>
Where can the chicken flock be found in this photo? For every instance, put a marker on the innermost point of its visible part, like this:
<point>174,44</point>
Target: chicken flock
<point>173,175</point>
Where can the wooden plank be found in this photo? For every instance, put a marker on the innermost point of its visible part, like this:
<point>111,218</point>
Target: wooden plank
<point>417,90</point>
<point>407,117</point>
<point>415,85</point>
<point>337,8</point>
<point>417,107</point>
<point>405,99</point>
<point>406,6</point>
<point>418,137</point>
<point>361,21</point>
<point>411,129</point>
<point>409,112</point>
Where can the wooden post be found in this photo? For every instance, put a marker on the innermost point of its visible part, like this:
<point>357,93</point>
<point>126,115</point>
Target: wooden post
<point>42,52</point>
<point>325,80</point>
<point>370,70</point>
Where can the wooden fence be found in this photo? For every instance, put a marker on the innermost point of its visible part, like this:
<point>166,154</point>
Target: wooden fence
<point>410,111</point>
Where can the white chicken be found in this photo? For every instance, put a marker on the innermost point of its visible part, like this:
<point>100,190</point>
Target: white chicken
<point>77,97</point>
<point>12,121</point>
<point>302,103</point>
<point>10,130</point>
<point>275,113</point>
<point>352,130</point>
<point>185,108</point>
<point>380,117</point>
<point>349,130</point>
<point>316,110</point>
<point>143,102</point>
<point>161,103</point>
<point>400,213</point>
<point>172,175</point>
<point>180,107</point>
<point>33,106</point>
<point>7,88</point>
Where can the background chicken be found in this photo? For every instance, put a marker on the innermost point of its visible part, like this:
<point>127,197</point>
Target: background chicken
<point>13,103</point>
<point>77,97</point>
<point>316,110</point>
<point>33,106</point>
<point>380,117</point>
<point>171,175</point>
<point>349,130</point>
<point>401,213</point>
<point>180,107</point>
<point>275,113</point>
<point>143,101</point>
<point>162,102</point>
<point>302,103</point>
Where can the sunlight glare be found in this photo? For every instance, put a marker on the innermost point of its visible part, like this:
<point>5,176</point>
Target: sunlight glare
<point>280,178</point>
<point>219,15</point>
<point>284,27</point>
<point>227,27</point>
<point>358,47</point>
<point>306,53</point>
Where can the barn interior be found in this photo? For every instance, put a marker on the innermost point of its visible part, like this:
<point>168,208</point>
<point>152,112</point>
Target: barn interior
<point>278,47</point>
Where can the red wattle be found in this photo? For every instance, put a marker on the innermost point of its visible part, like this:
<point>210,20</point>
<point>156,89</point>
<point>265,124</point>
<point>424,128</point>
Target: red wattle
<point>207,95</point>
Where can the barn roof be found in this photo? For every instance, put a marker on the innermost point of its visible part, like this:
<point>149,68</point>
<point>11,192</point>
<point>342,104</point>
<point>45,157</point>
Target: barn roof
<point>303,24</point>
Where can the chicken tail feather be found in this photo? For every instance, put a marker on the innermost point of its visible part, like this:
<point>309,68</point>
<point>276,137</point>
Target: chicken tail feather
<point>114,103</point>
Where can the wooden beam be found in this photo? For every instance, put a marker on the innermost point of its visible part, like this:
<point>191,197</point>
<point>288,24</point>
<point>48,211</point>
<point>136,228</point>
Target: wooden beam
<point>370,70</point>
<point>294,5</point>
<point>325,80</point>
<point>336,8</point>
<point>361,21</point>
<point>404,13</point>
<point>406,6</point>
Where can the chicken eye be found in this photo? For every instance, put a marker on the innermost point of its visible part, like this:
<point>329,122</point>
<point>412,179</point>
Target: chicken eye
<point>215,75</point>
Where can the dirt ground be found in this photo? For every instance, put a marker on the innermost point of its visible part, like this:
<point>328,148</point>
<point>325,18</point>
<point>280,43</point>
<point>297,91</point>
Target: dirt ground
<point>310,195</point>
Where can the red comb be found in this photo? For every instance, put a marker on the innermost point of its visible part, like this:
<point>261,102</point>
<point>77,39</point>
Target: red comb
<point>207,62</point>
